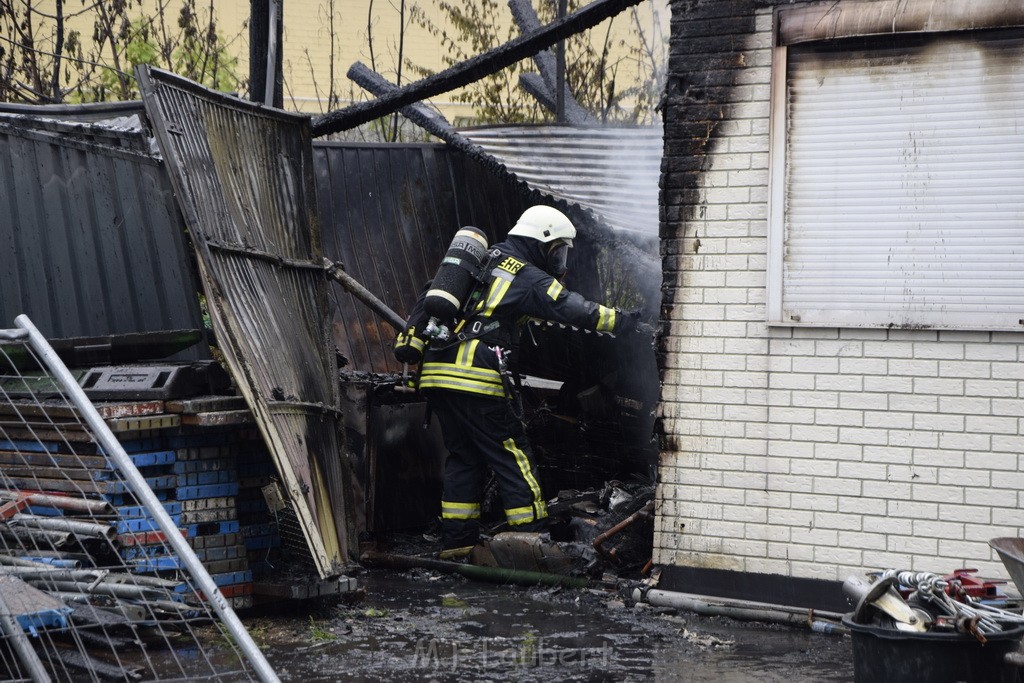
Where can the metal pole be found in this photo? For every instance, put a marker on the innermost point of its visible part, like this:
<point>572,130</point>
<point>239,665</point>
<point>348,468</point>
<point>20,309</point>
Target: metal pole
<point>26,653</point>
<point>560,69</point>
<point>742,609</point>
<point>145,495</point>
<point>357,290</point>
<point>268,93</point>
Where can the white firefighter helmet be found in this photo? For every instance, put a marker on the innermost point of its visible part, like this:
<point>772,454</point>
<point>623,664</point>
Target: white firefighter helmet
<point>544,223</point>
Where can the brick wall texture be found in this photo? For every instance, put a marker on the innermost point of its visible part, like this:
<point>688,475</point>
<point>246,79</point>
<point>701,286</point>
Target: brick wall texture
<point>803,451</point>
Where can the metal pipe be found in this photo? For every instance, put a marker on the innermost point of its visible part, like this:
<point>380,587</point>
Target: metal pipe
<point>21,553</point>
<point>642,513</point>
<point>73,526</point>
<point>815,620</point>
<point>28,534</point>
<point>114,590</point>
<point>137,483</point>
<point>353,287</point>
<point>518,577</point>
<point>72,504</point>
<point>140,580</point>
<point>560,69</point>
<point>26,653</point>
<point>271,81</point>
<point>41,564</point>
<point>44,573</point>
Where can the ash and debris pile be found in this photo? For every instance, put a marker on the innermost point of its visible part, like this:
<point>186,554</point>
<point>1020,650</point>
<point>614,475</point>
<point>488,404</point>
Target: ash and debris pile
<point>598,534</point>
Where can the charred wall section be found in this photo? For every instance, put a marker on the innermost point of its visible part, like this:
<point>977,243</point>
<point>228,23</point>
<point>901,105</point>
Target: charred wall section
<point>708,42</point>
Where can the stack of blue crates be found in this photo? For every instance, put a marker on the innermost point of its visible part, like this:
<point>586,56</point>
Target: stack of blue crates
<point>258,524</point>
<point>208,484</point>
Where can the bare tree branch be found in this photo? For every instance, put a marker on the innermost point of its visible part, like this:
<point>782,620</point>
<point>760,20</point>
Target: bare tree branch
<point>472,69</point>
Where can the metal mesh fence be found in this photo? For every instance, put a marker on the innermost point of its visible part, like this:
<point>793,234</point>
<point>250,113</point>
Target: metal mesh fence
<point>92,585</point>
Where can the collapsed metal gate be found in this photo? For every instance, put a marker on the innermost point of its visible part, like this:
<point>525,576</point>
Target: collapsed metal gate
<point>243,176</point>
<point>97,582</point>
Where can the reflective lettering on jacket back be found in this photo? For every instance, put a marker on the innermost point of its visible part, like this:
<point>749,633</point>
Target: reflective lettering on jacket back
<point>511,265</point>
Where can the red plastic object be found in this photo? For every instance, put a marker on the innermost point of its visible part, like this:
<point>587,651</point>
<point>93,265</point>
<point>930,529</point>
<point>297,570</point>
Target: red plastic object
<point>971,585</point>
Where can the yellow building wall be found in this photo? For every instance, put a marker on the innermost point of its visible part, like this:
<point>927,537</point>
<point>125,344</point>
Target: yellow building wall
<point>307,46</point>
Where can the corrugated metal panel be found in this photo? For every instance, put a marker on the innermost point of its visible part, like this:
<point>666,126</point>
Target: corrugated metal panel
<point>905,192</point>
<point>612,171</point>
<point>91,240</point>
<point>389,213</point>
<point>82,113</point>
<point>243,175</point>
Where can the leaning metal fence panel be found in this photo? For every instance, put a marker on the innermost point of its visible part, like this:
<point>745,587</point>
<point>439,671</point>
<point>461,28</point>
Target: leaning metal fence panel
<point>97,579</point>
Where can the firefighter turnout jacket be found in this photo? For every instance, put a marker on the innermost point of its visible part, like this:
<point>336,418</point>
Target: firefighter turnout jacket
<point>513,292</point>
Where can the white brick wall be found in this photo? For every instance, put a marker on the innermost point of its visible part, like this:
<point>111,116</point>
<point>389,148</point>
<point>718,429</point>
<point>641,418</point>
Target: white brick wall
<point>820,452</point>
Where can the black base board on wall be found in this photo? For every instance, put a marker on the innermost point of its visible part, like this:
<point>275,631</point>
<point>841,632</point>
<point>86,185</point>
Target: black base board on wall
<point>774,589</point>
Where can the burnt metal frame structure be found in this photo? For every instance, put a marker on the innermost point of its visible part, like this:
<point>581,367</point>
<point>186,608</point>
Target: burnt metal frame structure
<point>252,218</point>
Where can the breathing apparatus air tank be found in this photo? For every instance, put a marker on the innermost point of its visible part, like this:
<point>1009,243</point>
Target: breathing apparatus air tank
<point>455,278</point>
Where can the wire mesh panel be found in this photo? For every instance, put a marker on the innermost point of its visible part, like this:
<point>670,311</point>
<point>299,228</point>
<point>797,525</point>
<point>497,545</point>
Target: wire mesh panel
<point>92,587</point>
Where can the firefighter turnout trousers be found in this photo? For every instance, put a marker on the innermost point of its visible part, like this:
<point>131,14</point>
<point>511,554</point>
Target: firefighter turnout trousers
<point>479,432</point>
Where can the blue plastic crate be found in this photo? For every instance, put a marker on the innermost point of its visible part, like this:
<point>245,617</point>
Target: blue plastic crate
<point>232,578</point>
<point>163,482</point>
<point>47,618</point>
<point>207,491</point>
<point>212,528</point>
<point>199,440</point>
<point>153,458</point>
<point>153,443</point>
<point>172,507</point>
<point>30,446</point>
<point>157,564</point>
<point>137,552</point>
<point>207,478</point>
<point>128,499</point>
<point>268,528</point>
<point>131,526</point>
<point>209,465</point>
<point>262,542</point>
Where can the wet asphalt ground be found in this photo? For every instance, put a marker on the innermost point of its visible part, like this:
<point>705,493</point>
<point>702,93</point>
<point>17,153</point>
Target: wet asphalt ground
<point>425,626</point>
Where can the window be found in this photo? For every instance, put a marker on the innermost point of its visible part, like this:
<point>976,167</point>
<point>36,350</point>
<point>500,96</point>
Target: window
<point>897,169</point>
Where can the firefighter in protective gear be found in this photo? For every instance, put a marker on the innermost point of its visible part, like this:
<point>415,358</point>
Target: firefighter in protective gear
<point>462,380</point>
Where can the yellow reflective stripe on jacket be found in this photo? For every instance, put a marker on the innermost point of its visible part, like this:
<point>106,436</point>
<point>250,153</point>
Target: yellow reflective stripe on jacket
<point>456,370</point>
<point>417,343</point>
<point>499,288</point>
<point>540,509</point>
<point>461,378</point>
<point>450,510</point>
<point>554,289</point>
<point>467,350</point>
<point>457,384</point>
<point>605,319</point>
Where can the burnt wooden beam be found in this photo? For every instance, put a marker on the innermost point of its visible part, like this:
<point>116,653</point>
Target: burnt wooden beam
<point>471,70</point>
<point>545,88</point>
<point>423,116</point>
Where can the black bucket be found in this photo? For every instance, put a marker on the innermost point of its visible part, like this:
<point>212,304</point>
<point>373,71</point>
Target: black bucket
<point>885,654</point>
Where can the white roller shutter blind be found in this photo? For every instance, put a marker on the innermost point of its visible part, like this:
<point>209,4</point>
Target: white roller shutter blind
<point>904,197</point>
